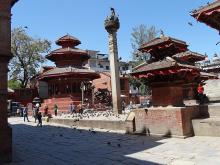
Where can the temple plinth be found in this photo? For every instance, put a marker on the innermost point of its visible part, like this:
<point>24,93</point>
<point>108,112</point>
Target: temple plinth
<point>112,25</point>
<point>5,56</point>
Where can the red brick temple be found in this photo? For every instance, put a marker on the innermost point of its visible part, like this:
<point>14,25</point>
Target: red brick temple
<point>171,68</point>
<point>172,76</point>
<point>66,81</point>
<point>209,14</point>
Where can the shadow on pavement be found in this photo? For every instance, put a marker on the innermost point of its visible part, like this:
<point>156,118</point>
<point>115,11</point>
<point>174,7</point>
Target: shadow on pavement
<point>71,146</point>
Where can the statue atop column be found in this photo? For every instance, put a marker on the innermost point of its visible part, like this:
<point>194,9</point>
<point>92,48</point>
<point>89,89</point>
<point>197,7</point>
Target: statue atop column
<point>112,25</point>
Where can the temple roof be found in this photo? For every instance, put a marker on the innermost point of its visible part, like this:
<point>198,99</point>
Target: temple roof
<point>160,40</point>
<point>207,76</point>
<point>163,46</point>
<point>68,55</point>
<point>209,14</point>
<point>190,56</point>
<point>68,40</point>
<point>64,71</point>
<point>13,2</point>
<point>167,63</point>
<point>67,51</point>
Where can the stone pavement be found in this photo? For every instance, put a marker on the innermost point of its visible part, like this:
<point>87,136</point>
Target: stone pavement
<point>60,145</point>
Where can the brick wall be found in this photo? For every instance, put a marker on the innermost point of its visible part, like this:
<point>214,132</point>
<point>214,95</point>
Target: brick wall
<point>169,121</point>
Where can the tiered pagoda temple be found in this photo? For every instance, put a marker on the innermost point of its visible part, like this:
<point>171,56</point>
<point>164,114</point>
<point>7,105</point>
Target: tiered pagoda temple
<point>173,77</point>
<point>171,71</point>
<point>209,14</point>
<point>67,80</point>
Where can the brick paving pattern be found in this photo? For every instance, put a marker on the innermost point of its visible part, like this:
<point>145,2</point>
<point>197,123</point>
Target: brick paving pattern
<point>55,144</point>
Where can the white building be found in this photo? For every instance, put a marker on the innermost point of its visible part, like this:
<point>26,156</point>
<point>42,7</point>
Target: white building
<point>100,62</point>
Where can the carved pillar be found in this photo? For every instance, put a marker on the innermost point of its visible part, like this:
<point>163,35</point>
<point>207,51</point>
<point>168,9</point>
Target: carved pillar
<point>5,56</point>
<point>112,25</point>
<point>115,79</point>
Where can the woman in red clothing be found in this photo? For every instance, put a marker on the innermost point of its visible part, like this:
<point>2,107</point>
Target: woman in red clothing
<point>200,91</point>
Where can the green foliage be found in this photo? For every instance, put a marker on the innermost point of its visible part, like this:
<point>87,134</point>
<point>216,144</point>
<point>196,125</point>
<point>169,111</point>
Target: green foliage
<point>28,55</point>
<point>140,35</point>
<point>141,84</point>
<point>14,84</point>
<point>134,82</point>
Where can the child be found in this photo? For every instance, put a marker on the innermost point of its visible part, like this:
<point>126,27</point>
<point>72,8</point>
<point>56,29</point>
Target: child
<point>39,117</point>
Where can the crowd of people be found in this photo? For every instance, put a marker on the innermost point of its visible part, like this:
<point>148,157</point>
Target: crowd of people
<point>23,112</point>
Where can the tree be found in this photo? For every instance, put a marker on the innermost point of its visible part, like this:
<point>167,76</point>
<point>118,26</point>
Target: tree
<point>14,84</point>
<point>28,55</point>
<point>140,35</point>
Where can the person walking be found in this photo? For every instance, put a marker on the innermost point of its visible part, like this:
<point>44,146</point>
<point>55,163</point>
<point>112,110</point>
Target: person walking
<point>36,110</point>
<point>72,108</point>
<point>55,108</point>
<point>200,91</point>
<point>25,113</point>
<point>45,111</point>
<point>39,118</point>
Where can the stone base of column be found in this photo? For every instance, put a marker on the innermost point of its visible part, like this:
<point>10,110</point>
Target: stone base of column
<point>5,145</point>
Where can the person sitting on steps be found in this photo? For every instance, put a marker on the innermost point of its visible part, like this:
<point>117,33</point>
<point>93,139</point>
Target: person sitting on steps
<point>200,91</point>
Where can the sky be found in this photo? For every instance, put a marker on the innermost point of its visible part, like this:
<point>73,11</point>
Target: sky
<point>84,19</point>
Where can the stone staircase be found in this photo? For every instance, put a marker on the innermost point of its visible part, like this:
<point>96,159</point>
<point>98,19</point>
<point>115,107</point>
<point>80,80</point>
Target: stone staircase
<point>62,103</point>
<point>209,123</point>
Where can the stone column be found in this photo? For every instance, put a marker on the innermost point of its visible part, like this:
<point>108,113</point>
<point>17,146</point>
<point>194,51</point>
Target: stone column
<point>115,79</point>
<point>5,56</point>
<point>112,25</point>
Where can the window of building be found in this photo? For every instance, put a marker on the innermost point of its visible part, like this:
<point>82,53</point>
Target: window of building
<point>107,67</point>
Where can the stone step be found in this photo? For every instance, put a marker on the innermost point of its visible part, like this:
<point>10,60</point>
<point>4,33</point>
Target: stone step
<point>206,127</point>
<point>212,89</point>
<point>210,110</point>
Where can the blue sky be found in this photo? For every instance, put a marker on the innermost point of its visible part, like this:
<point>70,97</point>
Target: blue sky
<point>84,19</point>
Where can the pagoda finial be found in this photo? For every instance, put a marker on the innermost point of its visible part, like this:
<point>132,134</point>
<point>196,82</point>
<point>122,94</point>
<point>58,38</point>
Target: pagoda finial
<point>162,34</point>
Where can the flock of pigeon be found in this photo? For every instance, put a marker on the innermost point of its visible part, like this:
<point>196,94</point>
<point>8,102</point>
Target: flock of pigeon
<point>96,115</point>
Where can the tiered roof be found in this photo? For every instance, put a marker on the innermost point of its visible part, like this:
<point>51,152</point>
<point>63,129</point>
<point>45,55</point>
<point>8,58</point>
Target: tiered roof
<point>68,53</point>
<point>209,14</point>
<point>68,41</point>
<point>171,57</point>
<point>69,61</point>
<point>190,56</point>
<point>163,46</point>
<point>69,71</point>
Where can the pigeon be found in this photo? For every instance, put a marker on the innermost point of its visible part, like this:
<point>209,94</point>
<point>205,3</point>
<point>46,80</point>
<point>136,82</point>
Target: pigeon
<point>218,43</point>
<point>190,23</point>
